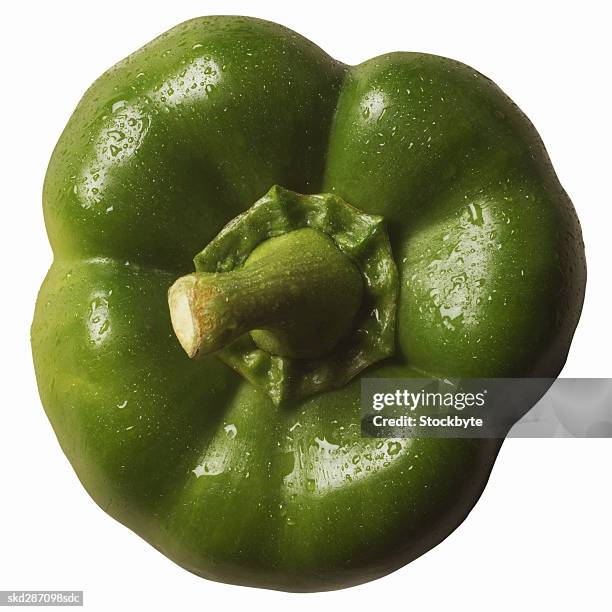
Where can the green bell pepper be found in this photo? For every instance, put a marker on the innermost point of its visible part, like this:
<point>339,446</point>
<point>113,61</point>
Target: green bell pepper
<point>436,241</point>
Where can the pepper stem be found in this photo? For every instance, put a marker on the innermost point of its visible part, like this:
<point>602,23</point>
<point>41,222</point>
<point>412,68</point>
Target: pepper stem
<point>297,294</point>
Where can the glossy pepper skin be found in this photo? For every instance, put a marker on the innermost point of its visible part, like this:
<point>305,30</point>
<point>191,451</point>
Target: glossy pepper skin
<point>175,141</point>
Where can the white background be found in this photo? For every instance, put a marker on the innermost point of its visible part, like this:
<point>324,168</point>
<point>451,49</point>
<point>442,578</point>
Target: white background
<point>540,536</point>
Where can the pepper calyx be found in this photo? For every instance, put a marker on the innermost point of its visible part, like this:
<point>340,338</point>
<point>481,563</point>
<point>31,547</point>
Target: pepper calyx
<point>298,254</point>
